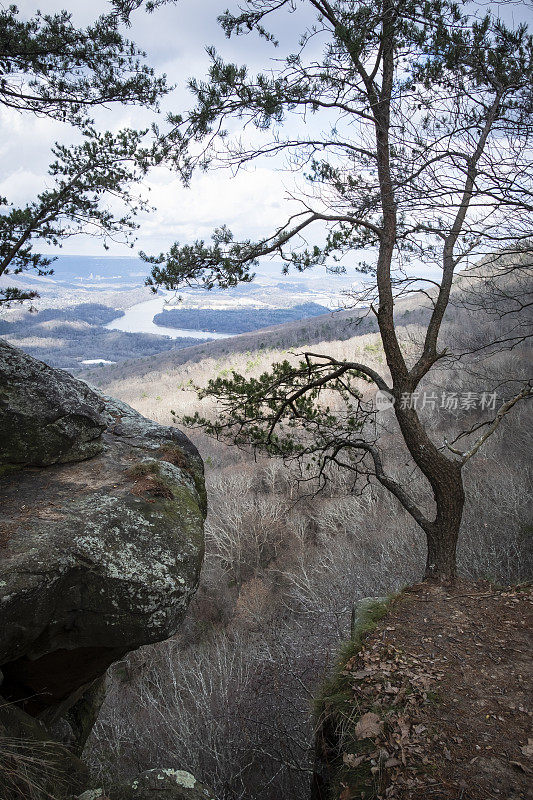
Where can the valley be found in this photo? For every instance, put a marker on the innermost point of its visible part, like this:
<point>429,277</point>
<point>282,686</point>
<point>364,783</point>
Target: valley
<point>94,310</point>
<point>285,566</point>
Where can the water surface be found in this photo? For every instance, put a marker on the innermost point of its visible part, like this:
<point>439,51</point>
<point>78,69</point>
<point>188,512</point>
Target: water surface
<point>140,319</point>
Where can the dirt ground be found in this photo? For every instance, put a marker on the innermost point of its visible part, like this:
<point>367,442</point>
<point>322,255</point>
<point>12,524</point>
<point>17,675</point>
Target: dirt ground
<point>442,688</point>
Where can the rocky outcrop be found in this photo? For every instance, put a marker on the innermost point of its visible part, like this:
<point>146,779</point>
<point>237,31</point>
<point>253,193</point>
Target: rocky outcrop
<point>101,538</point>
<point>155,784</point>
<point>43,419</point>
<point>75,726</point>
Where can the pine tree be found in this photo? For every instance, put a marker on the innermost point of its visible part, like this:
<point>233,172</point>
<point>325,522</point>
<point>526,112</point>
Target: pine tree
<point>50,68</point>
<point>425,155</point>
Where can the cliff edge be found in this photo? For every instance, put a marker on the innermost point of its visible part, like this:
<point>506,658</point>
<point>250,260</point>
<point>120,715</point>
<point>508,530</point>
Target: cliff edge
<point>430,700</point>
<point>101,544</point>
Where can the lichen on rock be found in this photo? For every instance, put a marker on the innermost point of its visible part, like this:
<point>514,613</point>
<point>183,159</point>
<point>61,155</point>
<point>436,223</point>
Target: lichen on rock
<point>46,416</point>
<point>161,784</point>
<point>93,562</point>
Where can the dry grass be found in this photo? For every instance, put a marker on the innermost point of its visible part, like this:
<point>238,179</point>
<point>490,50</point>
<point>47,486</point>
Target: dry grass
<point>29,770</point>
<point>147,481</point>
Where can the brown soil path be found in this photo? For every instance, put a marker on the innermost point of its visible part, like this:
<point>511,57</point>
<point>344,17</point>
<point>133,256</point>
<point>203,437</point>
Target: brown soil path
<point>445,678</point>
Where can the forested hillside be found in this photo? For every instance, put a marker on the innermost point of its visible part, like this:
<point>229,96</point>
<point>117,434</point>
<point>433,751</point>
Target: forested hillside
<point>284,566</point>
<point>236,320</point>
<point>266,484</point>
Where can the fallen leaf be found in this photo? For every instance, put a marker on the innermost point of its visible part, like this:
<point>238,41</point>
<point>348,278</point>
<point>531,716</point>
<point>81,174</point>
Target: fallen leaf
<point>527,749</point>
<point>368,726</point>
<point>352,760</point>
<point>393,762</point>
<point>522,767</point>
<point>404,727</point>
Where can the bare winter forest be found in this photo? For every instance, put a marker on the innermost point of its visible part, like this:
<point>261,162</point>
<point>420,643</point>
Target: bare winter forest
<point>232,696</point>
<point>166,635</point>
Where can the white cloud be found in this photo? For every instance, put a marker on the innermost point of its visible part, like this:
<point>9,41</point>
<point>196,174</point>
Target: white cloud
<point>251,204</point>
<point>175,37</point>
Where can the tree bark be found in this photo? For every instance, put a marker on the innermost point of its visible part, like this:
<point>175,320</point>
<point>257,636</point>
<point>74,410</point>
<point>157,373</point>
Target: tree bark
<point>440,562</point>
<point>443,533</point>
<point>446,481</point>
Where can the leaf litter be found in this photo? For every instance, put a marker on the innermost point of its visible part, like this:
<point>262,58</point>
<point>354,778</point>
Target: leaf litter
<point>442,688</point>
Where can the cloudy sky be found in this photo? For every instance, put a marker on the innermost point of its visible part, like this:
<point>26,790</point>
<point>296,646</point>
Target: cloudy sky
<point>175,38</point>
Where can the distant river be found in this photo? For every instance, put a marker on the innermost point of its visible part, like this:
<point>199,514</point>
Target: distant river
<point>139,319</point>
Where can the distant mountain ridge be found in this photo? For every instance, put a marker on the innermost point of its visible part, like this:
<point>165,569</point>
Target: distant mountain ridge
<point>97,268</point>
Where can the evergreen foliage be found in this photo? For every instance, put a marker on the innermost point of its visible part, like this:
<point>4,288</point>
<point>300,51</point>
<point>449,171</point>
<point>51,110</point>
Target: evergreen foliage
<point>50,68</point>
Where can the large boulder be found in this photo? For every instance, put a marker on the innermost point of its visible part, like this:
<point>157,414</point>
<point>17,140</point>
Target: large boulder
<point>43,419</point>
<point>97,557</point>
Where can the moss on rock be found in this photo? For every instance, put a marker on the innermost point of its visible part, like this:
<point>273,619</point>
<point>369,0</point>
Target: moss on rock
<point>336,715</point>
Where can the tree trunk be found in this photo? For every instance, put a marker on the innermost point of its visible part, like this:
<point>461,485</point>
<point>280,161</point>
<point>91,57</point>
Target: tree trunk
<point>441,560</point>
<point>443,532</point>
<point>446,481</point>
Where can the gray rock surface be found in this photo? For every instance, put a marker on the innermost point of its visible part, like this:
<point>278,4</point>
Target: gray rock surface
<point>43,419</point>
<point>97,557</point>
<point>74,727</point>
<point>155,784</point>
